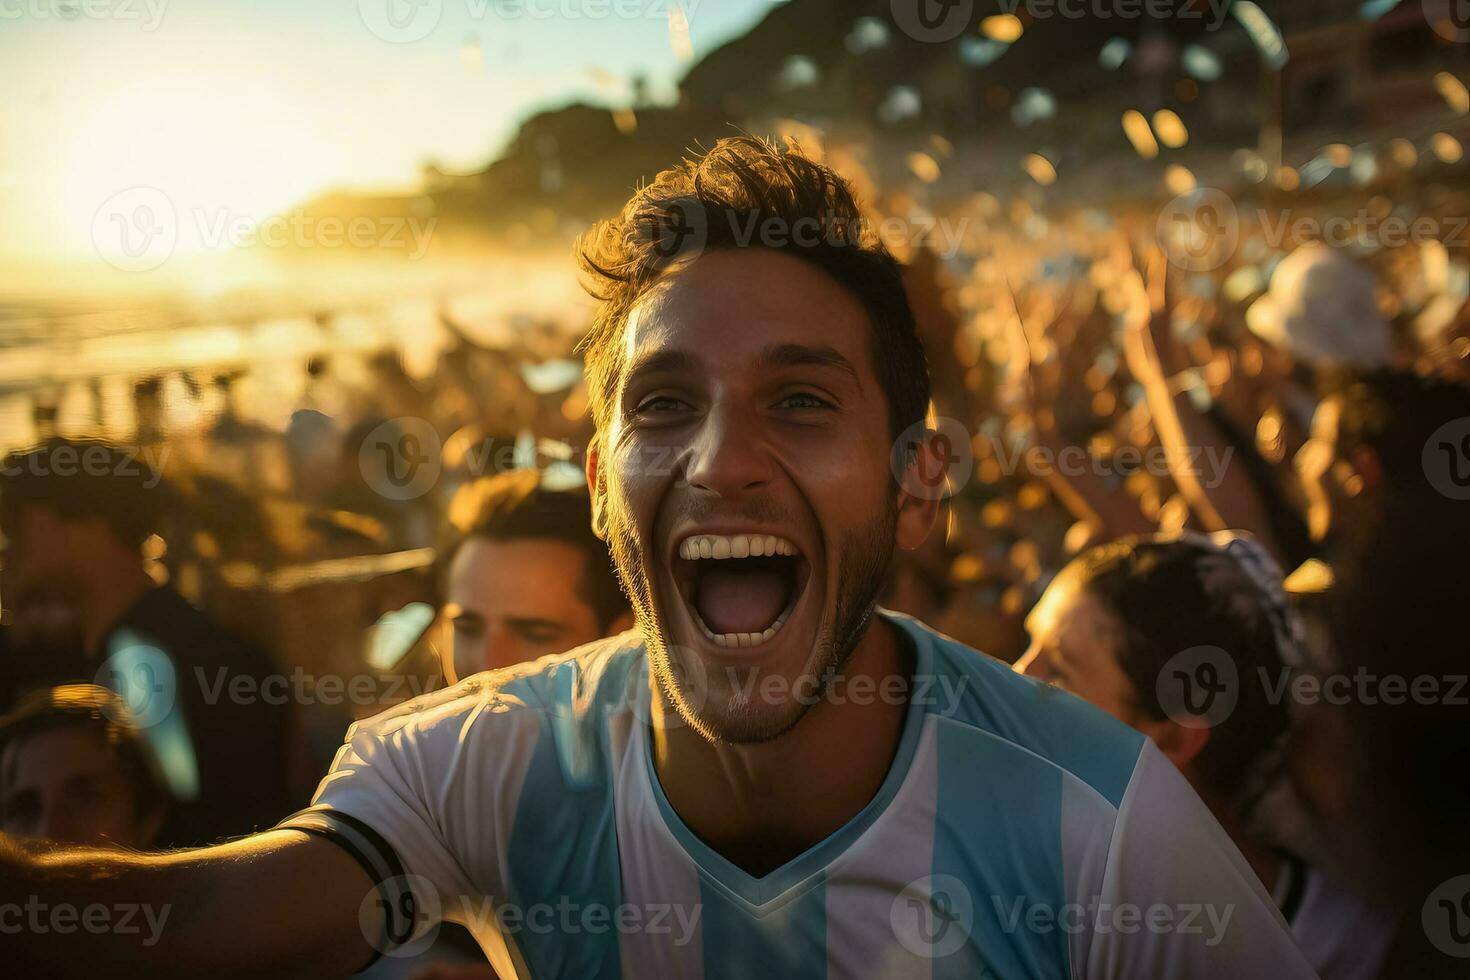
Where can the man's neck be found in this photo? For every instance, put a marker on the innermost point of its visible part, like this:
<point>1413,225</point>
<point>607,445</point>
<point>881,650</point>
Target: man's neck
<point>762,804</point>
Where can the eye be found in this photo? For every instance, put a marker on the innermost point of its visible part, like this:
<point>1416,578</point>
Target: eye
<point>660,404</point>
<point>540,635</point>
<point>804,399</point>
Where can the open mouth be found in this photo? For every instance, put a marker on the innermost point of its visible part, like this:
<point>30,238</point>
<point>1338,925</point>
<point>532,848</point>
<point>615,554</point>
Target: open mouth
<point>740,588</point>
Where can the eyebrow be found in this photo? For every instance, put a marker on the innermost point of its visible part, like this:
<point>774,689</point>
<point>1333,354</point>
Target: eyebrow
<point>658,361</point>
<point>524,622</point>
<point>803,355</point>
<point>776,355</point>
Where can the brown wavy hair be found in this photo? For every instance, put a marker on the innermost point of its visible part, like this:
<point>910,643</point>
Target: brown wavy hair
<point>716,201</point>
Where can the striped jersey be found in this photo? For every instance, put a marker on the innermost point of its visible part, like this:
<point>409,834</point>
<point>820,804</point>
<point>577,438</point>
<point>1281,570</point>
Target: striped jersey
<point>1019,833</point>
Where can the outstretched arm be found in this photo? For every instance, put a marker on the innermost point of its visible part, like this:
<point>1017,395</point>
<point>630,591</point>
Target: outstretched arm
<point>281,903</point>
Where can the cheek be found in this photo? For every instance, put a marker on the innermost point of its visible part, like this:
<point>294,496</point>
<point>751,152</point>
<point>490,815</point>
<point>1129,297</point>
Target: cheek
<point>843,479</point>
<point>1119,699</point>
<point>637,482</point>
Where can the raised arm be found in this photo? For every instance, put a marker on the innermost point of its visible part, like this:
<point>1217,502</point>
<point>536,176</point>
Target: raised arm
<point>1234,502</point>
<point>1085,494</point>
<point>282,903</point>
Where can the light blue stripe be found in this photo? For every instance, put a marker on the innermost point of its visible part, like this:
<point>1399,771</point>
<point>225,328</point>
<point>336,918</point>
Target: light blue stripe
<point>562,857</point>
<point>1089,743</point>
<point>998,831</point>
<point>789,942</point>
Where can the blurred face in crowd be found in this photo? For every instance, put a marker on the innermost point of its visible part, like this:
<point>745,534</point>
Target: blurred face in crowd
<point>744,486</point>
<point>1073,643</point>
<point>513,601</point>
<point>41,585</point>
<point>67,785</point>
<point>1076,643</point>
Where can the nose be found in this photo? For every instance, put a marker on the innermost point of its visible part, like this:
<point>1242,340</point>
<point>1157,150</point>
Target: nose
<point>729,456</point>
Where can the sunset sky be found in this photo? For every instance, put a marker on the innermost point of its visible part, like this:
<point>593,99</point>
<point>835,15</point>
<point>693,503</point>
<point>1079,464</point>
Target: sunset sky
<point>247,107</point>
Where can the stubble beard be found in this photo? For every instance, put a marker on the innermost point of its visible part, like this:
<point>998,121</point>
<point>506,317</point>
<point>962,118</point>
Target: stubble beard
<point>729,709</point>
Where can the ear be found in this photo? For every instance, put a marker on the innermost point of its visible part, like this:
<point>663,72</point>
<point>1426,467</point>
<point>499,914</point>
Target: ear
<point>1181,744</point>
<point>597,490</point>
<point>923,483</point>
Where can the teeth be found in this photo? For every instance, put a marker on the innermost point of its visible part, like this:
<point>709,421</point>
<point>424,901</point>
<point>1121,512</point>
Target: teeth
<point>734,546</point>
<point>743,639</point>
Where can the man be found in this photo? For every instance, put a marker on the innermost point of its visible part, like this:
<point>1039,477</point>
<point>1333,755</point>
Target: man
<point>523,575</point>
<point>75,517</point>
<point>769,778</point>
<point>73,770</point>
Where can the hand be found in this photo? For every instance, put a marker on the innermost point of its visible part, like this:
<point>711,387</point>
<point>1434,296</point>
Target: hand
<point>1150,331</point>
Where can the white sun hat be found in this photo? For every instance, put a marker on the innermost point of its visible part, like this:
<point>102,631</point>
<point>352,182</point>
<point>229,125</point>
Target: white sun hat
<point>1320,308</point>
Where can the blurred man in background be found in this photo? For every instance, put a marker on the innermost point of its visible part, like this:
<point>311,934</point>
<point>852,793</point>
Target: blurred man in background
<point>74,770</point>
<point>523,575</point>
<point>75,518</point>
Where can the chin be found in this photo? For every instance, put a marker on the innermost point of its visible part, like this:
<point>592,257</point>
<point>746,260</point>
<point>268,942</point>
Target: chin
<point>737,704</point>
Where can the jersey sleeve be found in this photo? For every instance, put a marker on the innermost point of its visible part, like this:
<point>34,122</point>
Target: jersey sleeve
<point>1176,898</point>
<point>416,795</point>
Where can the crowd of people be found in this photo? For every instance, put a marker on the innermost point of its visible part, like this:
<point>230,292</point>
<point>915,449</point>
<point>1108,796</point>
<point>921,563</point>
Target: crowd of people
<point>1260,467</point>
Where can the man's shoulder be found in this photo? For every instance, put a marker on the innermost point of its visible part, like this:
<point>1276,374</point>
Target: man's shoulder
<point>1021,717</point>
<point>576,687</point>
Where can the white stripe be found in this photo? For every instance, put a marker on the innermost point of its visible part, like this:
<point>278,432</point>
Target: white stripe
<point>659,879</point>
<point>1087,831</point>
<point>863,883</point>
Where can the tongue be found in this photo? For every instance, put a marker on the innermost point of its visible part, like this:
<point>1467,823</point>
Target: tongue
<point>740,602</point>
